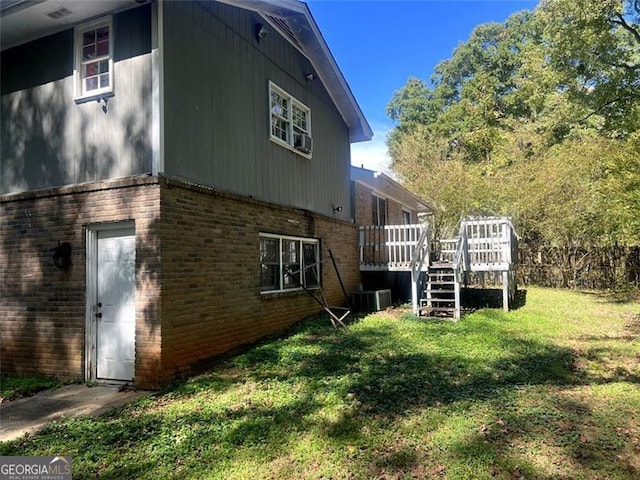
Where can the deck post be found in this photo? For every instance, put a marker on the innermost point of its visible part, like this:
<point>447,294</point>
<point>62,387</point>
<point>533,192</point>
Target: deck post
<point>457,303</point>
<point>505,291</point>
<point>415,276</point>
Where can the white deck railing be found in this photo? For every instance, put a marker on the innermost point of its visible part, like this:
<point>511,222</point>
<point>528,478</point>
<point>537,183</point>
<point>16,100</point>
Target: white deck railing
<point>492,243</point>
<point>445,250</point>
<point>483,245</point>
<point>391,247</point>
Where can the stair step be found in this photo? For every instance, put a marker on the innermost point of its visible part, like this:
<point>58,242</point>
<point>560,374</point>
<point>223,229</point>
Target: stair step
<point>439,310</point>
<point>439,295</point>
<point>441,299</point>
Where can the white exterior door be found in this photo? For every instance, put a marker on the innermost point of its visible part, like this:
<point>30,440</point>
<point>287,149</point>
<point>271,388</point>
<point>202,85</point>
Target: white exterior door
<point>115,313</point>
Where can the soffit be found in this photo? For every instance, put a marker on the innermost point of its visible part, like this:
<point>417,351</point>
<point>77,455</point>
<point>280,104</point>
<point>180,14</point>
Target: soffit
<point>24,20</point>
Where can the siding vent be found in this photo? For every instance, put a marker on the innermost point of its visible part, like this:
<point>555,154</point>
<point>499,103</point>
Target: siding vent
<point>282,25</point>
<point>59,13</point>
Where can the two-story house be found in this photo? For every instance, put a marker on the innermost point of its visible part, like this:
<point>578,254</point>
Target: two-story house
<point>171,174</point>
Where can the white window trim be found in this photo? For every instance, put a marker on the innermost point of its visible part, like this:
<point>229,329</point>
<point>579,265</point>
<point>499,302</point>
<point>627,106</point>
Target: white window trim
<point>79,94</point>
<point>302,240</point>
<point>292,101</point>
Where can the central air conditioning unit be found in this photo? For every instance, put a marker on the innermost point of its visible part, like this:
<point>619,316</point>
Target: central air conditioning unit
<point>371,301</point>
<point>302,142</point>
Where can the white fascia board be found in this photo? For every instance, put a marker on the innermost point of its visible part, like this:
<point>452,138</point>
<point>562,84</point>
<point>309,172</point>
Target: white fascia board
<point>318,53</point>
<point>377,181</point>
<point>399,195</point>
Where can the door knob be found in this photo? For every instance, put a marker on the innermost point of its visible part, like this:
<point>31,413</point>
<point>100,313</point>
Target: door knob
<point>99,315</point>
<point>99,304</point>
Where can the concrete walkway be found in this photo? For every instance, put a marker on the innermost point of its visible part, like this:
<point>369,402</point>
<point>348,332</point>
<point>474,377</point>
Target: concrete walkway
<point>28,415</point>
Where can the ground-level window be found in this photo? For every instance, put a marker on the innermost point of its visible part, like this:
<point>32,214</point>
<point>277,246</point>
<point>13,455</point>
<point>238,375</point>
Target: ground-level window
<point>378,210</point>
<point>288,263</point>
<point>290,121</point>
<point>94,58</point>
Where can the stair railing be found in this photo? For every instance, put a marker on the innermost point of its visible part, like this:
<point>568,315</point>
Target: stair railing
<point>460,265</point>
<point>419,256</point>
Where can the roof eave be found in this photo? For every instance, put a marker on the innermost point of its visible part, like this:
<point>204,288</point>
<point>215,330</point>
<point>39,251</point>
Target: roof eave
<point>318,53</point>
<point>377,181</point>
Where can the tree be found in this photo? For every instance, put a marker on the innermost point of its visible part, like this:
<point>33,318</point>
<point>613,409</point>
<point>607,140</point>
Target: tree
<point>595,48</point>
<point>474,92</point>
<point>537,118</point>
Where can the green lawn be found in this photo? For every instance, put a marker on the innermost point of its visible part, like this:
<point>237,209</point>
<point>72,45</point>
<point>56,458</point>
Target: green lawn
<point>549,391</point>
<point>18,387</point>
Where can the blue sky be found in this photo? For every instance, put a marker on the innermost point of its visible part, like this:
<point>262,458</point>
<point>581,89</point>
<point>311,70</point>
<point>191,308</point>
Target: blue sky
<point>378,44</point>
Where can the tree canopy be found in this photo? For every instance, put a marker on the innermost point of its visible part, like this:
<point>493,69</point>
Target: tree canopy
<point>538,118</point>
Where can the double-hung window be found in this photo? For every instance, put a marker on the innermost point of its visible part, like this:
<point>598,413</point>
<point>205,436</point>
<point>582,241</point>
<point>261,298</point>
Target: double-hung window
<point>94,59</point>
<point>290,121</point>
<point>288,263</point>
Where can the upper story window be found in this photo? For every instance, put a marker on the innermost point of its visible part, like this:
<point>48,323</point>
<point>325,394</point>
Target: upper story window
<point>290,121</point>
<point>288,263</point>
<point>94,59</point>
<point>378,210</point>
<point>406,217</point>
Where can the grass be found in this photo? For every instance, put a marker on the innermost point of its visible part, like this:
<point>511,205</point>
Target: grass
<point>12,388</point>
<point>548,391</point>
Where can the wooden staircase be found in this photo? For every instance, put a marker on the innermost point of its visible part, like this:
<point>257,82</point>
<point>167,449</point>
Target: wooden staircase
<point>440,299</point>
<point>483,244</point>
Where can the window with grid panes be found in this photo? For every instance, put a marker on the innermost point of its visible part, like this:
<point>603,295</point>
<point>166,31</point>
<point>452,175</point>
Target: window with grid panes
<point>290,120</point>
<point>288,263</point>
<point>94,59</point>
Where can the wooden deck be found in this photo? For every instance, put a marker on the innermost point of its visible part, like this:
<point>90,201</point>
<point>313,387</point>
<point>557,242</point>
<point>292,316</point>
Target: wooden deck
<point>484,244</point>
<point>487,244</point>
<point>391,247</point>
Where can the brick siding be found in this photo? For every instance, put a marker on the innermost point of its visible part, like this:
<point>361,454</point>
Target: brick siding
<point>363,207</point>
<point>42,308</point>
<point>197,273</point>
<point>211,300</point>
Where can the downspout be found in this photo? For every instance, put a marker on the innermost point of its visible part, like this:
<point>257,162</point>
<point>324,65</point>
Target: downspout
<point>157,88</point>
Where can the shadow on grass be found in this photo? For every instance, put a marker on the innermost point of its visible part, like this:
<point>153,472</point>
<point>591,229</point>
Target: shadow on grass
<point>395,382</point>
<point>567,436</point>
<point>335,387</point>
<point>478,298</point>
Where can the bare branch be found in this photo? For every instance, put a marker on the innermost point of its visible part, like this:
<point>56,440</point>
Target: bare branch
<point>619,20</point>
<point>608,104</point>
